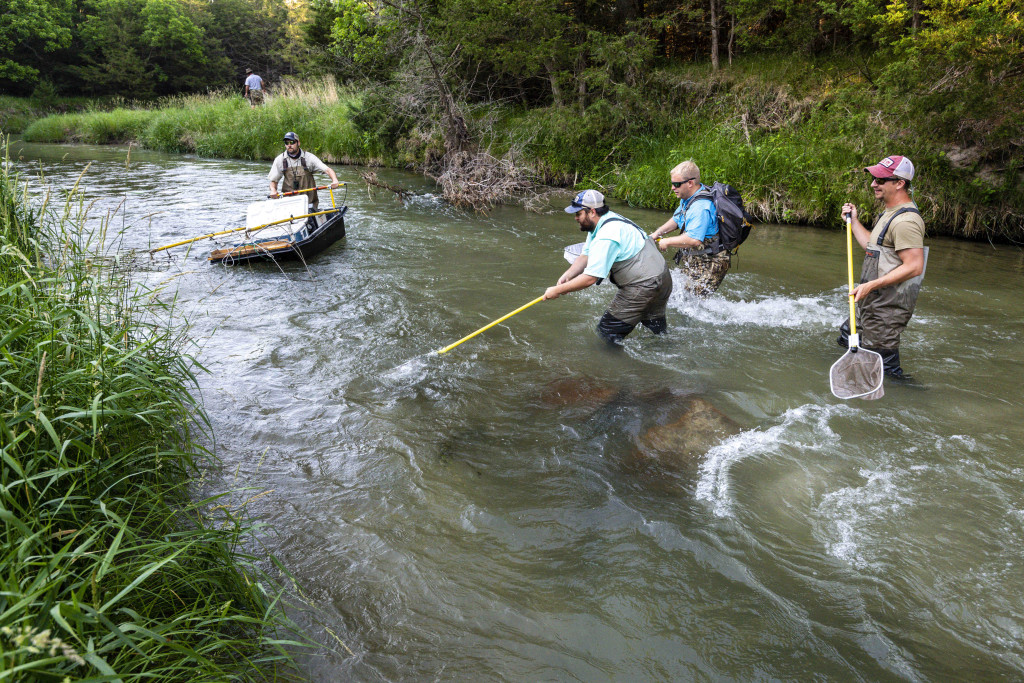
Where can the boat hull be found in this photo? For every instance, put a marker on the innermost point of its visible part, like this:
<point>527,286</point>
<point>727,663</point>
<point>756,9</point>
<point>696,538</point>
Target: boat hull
<point>313,238</point>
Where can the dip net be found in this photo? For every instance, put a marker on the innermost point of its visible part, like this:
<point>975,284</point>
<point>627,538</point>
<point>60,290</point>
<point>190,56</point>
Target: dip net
<point>858,374</point>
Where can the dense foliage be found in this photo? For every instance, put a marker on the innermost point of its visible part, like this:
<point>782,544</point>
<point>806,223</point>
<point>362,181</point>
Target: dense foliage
<point>568,88</point>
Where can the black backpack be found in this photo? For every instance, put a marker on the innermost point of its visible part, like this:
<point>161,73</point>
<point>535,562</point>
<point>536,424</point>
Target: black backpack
<point>734,223</point>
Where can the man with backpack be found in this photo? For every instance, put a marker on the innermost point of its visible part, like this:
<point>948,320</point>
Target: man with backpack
<point>617,249</point>
<point>702,256</point>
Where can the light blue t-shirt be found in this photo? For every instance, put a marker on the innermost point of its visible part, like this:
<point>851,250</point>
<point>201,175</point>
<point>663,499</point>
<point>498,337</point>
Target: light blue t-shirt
<point>611,242</point>
<point>254,82</point>
<point>698,217</point>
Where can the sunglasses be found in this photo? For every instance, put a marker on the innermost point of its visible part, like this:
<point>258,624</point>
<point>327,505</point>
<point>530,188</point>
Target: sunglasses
<point>681,182</point>
<point>291,142</point>
<point>882,181</point>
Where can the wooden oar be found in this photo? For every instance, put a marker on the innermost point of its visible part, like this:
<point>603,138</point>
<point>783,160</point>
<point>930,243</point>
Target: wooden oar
<point>489,326</point>
<point>225,232</point>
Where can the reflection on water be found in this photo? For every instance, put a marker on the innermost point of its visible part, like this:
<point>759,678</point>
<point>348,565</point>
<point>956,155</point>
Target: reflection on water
<point>530,506</point>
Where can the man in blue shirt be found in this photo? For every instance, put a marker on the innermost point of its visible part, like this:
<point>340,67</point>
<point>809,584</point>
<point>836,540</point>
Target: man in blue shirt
<point>617,249</point>
<point>701,256</point>
<point>253,88</point>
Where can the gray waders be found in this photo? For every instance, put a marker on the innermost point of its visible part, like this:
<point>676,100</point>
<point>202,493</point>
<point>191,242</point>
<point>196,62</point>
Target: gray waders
<point>884,312</point>
<point>644,288</point>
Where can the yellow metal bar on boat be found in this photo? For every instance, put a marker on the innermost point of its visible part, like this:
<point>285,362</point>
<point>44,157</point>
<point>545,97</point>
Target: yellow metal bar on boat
<point>487,327</point>
<point>225,232</point>
<point>308,189</point>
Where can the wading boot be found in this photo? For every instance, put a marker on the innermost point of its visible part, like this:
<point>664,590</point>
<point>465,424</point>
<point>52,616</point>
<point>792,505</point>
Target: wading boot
<point>612,329</point>
<point>891,363</point>
<point>656,325</point>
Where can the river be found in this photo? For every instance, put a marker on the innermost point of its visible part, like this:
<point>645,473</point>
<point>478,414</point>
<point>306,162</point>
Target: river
<point>511,511</point>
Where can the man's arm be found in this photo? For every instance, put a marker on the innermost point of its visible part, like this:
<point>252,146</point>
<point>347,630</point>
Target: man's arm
<point>334,178</point>
<point>668,227</point>
<point>577,267</point>
<point>581,281</point>
<point>683,240</point>
<point>912,266</point>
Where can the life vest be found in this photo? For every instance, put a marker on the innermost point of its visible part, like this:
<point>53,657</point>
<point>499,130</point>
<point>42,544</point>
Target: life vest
<point>884,312</point>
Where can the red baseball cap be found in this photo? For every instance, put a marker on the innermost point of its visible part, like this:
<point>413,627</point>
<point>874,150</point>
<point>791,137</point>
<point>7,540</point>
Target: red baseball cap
<point>892,167</point>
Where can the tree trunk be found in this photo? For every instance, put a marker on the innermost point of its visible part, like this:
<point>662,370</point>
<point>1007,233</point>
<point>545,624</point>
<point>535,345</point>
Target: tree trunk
<point>714,35</point>
<point>915,15</point>
<point>732,35</point>
<point>556,90</point>
<point>581,83</point>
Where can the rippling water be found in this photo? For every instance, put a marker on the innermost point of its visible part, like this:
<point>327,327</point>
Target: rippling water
<point>497,513</point>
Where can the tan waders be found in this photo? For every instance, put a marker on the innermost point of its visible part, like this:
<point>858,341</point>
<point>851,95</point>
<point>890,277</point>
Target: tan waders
<point>298,177</point>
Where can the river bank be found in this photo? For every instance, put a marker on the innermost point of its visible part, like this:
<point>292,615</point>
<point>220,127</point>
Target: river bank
<point>791,134</point>
<point>110,568</point>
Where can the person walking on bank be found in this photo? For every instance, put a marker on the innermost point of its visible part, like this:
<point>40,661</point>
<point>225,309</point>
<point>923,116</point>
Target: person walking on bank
<point>297,167</point>
<point>617,249</point>
<point>894,263</point>
<point>253,90</point>
<point>701,256</point>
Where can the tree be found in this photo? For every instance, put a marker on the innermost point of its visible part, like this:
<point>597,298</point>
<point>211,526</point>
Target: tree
<point>28,29</point>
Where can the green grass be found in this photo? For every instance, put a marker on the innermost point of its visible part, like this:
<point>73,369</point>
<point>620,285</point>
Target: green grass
<point>218,125</point>
<point>109,569</point>
<point>791,133</point>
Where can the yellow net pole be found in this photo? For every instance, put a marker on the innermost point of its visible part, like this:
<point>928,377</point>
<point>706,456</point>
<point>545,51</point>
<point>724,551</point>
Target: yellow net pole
<point>849,265</point>
<point>490,325</point>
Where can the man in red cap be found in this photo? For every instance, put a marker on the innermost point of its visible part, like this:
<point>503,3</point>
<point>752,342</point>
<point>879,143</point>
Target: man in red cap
<point>894,262</point>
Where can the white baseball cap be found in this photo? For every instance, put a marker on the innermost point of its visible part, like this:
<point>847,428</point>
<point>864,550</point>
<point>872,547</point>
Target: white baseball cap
<point>588,199</point>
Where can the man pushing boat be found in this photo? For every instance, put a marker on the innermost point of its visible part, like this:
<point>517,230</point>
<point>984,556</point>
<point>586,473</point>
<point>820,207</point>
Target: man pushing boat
<point>296,167</point>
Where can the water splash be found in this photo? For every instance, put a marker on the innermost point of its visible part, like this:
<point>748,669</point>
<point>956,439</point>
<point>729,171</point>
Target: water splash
<point>714,485</point>
<point>774,311</point>
<point>848,512</point>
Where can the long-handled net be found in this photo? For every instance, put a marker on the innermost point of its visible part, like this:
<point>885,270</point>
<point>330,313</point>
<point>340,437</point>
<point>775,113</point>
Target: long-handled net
<point>859,373</point>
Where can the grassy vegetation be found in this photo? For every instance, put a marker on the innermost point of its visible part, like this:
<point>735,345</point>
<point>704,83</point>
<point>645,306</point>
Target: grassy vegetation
<point>109,570</point>
<point>221,125</point>
<point>792,133</point>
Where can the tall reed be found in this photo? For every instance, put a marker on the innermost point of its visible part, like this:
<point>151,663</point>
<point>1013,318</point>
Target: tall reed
<point>109,569</point>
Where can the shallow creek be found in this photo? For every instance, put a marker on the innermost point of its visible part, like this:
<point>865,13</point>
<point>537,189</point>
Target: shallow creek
<point>531,506</point>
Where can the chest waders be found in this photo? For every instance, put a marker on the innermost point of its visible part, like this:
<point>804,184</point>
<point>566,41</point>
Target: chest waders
<point>644,287</point>
<point>297,176</point>
<point>884,313</point>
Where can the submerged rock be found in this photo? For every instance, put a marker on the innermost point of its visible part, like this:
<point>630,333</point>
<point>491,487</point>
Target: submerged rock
<point>574,391</point>
<point>694,431</point>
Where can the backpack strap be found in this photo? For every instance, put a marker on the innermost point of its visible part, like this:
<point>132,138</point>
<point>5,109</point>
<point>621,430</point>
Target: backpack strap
<point>905,209</point>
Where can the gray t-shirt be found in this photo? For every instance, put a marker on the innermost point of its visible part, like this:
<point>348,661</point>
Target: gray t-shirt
<point>254,82</point>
